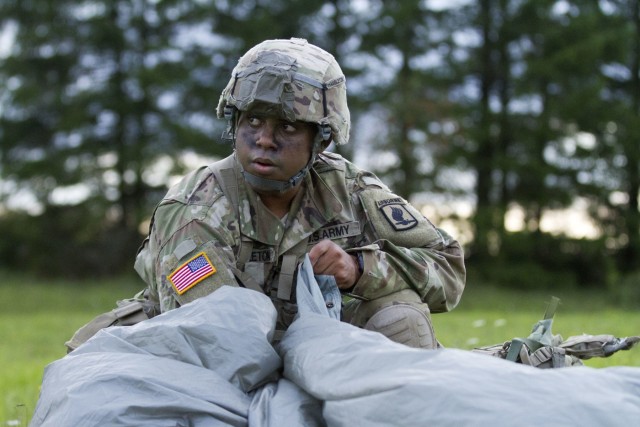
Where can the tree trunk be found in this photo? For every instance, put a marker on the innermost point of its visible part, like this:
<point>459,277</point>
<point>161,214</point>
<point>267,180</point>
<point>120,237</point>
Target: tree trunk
<point>631,255</point>
<point>484,157</point>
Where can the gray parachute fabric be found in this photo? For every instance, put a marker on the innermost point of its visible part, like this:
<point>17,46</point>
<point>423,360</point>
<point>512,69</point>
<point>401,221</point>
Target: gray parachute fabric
<point>365,379</point>
<point>208,363</point>
<point>211,362</point>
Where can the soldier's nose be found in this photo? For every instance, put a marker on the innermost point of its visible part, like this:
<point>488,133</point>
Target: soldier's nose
<point>266,138</point>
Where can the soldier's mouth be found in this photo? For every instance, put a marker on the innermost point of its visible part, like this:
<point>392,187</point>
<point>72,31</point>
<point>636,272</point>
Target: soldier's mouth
<point>263,161</point>
<point>263,166</point>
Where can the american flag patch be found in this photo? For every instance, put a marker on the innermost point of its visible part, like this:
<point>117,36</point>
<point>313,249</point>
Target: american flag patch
<point>191,272</point>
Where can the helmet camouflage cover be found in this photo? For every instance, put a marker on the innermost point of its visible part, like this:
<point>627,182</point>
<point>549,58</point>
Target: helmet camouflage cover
<point>293,79</point>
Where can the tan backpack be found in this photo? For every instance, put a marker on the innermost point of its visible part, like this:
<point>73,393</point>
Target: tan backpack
<point>127,313</point>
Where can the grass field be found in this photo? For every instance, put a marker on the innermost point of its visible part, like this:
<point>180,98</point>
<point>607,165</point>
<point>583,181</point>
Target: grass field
<point>37,317</point>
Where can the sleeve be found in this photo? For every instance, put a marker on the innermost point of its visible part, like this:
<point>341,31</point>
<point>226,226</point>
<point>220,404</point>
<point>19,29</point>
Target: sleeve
<point>408,252</point>
<point>185,256</point>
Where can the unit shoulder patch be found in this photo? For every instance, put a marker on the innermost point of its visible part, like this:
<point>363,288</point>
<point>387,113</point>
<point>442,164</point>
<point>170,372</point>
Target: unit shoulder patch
<point>192,272</point>
<point>393,218</point>
<point>396,212</point>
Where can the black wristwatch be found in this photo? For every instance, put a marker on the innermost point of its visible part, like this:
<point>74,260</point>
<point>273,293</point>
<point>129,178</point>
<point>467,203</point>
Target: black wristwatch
<point>360,262</point>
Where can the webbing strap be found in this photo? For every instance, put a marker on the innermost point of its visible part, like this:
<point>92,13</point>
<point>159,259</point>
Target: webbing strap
<point>551,308</point>
<point>558,358</point>
<point>514,349</point>
<point>517,344</point>
<point>547,357</point>
<point>227,178</point>
<point>247,280</point>
<point>285,281</point>
<point>524,355</point>
<point>244,251</point>
<point>539,337</point>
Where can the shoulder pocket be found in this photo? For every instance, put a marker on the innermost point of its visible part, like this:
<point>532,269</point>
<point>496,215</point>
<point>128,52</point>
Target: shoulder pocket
<point>193,273</point>
<point>394,219</point>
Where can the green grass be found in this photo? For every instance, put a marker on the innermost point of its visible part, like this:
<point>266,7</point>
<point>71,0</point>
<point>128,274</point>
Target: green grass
<point>38,316</point>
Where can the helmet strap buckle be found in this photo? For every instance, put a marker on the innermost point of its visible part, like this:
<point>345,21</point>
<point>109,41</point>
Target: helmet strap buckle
<point>229,112</point>
<point>229,134</point>
<point>325,131</point>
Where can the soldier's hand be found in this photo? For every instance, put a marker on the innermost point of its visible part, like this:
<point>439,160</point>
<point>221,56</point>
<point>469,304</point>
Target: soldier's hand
<point>330,259</point>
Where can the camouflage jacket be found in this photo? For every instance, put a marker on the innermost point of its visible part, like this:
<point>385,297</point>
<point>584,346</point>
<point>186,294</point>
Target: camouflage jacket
<point>212,230</point>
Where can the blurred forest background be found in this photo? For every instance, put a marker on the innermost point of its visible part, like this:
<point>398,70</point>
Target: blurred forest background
<point>513,124</point>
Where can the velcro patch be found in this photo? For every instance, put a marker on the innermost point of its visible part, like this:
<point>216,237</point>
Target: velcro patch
<point>263,255</point>
<point>191,273</point>
<point>396,220</point>
<point>395,211</point>
<point>336,231</point>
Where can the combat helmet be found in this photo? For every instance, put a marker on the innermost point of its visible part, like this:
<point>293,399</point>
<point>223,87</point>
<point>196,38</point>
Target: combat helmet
<point>294,80</point>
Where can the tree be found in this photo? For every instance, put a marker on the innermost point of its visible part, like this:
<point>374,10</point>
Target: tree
<point>622,95</point>
<point>536,101</point>
<point>406,86</point>
<point>581,64</point>
<point>102,93</point>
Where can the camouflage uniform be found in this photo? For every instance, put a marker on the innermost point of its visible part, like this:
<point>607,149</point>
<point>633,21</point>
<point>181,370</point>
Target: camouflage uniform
<point>401,249</point>
<point>212,229</point>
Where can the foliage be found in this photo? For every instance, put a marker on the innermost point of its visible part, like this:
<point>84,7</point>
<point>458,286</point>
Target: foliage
<point>93,115</point>
<point>545,71</point>
<point>66,243</point>
<point>626,291</point>
<point>493,103</point>
<point>544,262</point>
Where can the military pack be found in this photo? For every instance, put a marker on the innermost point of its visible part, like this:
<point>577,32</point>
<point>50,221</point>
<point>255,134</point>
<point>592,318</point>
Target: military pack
<point>542,349</point>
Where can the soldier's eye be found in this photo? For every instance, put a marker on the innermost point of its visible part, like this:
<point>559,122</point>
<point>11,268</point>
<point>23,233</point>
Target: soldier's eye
<point>289,127</point>
<point>254,121</point>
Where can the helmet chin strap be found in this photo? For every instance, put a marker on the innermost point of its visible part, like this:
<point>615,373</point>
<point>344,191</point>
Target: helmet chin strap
<point>275,186</point>
<point>272,185</point>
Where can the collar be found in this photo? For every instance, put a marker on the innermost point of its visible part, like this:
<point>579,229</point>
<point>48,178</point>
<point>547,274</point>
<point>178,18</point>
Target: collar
<point>314,206</point>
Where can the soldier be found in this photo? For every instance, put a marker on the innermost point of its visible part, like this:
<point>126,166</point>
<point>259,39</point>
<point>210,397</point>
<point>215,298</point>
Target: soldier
<point>248,220</point>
